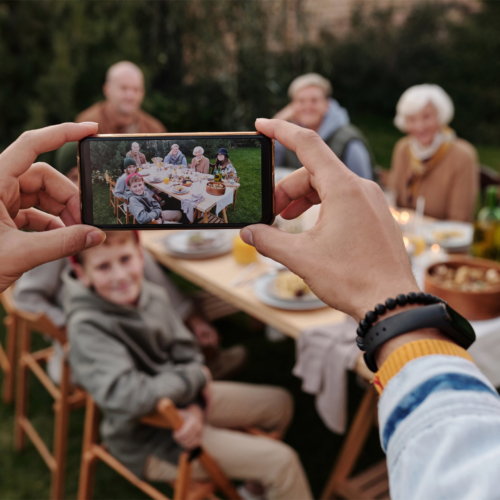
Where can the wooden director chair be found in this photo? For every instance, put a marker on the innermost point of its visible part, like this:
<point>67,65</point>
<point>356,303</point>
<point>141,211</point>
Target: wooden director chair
<point>168,418</point>
<point>8,354</point>
<point>66,397</point>
<point>112,186</point>
<point>373,483</point>
<point>118,204</point>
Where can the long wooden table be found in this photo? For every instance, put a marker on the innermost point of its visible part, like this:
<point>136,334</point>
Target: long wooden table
<point>215,276</point>
<point>203,207</point>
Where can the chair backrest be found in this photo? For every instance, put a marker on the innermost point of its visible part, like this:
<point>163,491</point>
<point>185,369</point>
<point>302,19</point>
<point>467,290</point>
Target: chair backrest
<point>107,177</point>
<point>38,322</point>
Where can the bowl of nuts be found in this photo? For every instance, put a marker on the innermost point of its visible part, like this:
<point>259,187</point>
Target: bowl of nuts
<point>216,188</point>
<point>470,286</point>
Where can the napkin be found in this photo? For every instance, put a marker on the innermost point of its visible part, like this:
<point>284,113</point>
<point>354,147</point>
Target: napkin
<point>324,354</point>
<point>189,204</point>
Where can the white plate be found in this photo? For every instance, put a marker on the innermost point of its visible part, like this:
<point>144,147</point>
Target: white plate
<point>184,191</point>
<point>178,245</point>
<point>455,243</point>
<point>263,286</point>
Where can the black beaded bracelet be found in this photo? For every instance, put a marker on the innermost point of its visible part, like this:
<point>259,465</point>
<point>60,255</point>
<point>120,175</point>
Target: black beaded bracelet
<point>400,301</point>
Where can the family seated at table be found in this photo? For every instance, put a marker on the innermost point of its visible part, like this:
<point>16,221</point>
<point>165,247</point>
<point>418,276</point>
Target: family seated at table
<point>144,207</point>
<point>129,348</point>
<point>175,157</point>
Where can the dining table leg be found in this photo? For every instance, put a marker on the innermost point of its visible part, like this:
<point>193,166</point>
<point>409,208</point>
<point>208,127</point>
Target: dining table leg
<point>205,217</point>
<point>224,215</point>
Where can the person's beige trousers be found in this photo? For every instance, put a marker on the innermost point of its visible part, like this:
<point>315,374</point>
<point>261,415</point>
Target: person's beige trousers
<point>244,456</point>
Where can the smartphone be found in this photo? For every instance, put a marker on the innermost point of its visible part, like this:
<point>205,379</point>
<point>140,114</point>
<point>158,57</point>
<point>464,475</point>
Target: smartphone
<point>177,181</point>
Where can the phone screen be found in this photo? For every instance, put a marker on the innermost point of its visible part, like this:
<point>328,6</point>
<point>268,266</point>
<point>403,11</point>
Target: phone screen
<point>176,181</point>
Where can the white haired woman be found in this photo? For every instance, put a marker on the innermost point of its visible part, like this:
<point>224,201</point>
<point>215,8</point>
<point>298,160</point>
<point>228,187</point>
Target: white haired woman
<point>431,161</point>
<point>200,163</point>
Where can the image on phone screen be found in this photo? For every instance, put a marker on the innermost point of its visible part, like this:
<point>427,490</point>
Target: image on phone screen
<point>181,181</point>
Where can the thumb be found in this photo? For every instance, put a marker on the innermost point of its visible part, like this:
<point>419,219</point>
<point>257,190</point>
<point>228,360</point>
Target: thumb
<point>47,246</point>
<point>271,242</point>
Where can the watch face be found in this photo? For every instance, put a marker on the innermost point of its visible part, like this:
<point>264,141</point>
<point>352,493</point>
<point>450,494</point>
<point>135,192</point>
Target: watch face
<point>461,324</point>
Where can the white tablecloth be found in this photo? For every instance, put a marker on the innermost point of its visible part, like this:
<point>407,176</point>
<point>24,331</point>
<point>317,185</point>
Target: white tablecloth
<point>199,188</point>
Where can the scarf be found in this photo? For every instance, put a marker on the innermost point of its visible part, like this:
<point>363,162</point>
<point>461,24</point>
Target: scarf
<point>198,161</point>
<point>424,158</point>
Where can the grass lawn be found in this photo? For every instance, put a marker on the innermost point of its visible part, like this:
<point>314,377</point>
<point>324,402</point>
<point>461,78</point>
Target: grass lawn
<point>25,476</point>
<point>382,135</point>
<point>248,201</point>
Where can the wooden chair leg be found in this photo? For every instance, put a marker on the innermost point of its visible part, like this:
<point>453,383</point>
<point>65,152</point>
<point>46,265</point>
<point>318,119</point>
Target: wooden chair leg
<point>224,214</point>
<point>218,477</point>
<point>11,322</point>
<point>89,460</point>
<point>61,434</point>
<point>183,477</point>
<point>353,443</point>
<point>22,387</point>
<point>234,200</point>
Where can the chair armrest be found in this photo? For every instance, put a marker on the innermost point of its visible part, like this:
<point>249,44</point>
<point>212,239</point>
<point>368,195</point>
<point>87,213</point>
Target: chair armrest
<point>166,416</point>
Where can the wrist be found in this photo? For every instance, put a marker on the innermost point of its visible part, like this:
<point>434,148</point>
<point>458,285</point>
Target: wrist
<point>408,318</point>
<point>380,296</point>
<point>386,349</point>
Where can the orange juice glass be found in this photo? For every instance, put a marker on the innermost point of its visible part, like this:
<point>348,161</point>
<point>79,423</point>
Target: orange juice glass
<point>243,253</point>
<point>166,180</point>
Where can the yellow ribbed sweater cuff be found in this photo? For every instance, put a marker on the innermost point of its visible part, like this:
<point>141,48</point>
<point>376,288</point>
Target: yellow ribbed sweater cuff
<point>414,350</point>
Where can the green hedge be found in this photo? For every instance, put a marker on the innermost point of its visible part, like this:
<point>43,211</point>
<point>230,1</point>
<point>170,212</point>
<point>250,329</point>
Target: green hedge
<point>54,55</point>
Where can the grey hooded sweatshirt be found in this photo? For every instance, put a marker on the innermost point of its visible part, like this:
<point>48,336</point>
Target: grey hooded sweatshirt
<point>127,358</point>
<point>343,138</point>
<point>144,207</point>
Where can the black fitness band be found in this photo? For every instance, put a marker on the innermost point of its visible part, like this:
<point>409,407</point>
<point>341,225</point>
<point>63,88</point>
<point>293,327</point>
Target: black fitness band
<point>439,316</point>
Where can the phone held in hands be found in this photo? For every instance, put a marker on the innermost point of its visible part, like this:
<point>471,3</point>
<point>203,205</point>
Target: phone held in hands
<point>177,181</point>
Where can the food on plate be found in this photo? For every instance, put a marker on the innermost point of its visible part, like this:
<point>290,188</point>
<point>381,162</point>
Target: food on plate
<point>179,188</point>
<point>443,235</point>
<point>290,286</point>
<point>200,240</point>
<point>187,182</point>
<point>466,278</point>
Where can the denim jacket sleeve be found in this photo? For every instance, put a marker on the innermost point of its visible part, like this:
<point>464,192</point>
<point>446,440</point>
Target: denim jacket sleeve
<point>440,427</point>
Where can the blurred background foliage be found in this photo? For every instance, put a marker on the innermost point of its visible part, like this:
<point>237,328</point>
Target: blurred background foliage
<point>212,66</point>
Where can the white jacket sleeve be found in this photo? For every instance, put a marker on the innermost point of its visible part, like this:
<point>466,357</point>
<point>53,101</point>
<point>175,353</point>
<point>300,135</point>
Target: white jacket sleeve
<point>440,426</point>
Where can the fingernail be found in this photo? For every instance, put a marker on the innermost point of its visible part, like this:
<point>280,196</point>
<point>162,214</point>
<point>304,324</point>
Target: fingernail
<point>262,119</point>
<point>94,238</point>
<point>247,236</point>
<point>88,123</point>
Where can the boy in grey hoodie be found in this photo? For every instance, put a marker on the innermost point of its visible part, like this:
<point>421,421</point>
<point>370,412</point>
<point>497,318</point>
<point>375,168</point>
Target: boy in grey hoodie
<point>144,207</point>
<point>129,349</point>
